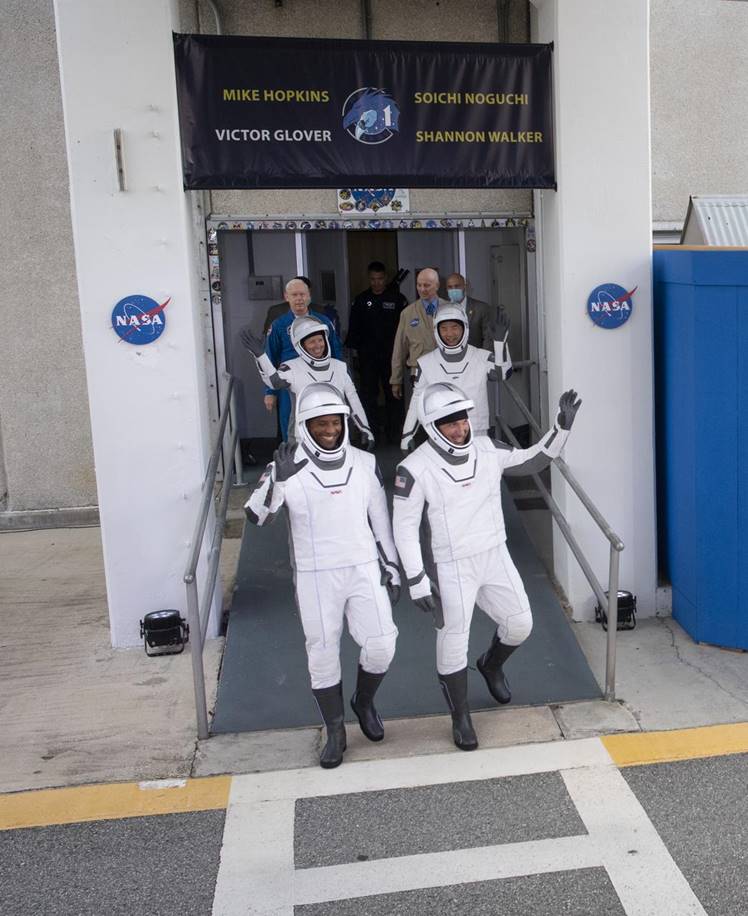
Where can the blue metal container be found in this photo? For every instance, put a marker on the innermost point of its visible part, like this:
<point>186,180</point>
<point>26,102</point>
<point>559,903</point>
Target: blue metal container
<point>701,380</point>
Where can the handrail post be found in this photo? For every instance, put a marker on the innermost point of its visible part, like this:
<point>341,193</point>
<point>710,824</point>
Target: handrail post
<point>226,457</point>
<point>610,659</point>
<point>238,469</point>
<point>197,627</point>
<point>196,650</point>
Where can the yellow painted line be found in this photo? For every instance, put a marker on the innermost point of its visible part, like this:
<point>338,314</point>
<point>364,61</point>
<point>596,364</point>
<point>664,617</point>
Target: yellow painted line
<point>112,802</point>
<point>683,744</point>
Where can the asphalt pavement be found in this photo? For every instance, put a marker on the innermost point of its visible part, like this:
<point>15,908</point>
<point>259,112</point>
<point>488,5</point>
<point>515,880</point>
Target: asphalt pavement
<point>630,824</point>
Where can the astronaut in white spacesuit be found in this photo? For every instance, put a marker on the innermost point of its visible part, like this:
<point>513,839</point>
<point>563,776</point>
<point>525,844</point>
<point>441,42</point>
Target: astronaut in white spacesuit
<point>343,553</point>
<point>455,360</point>
<point>457,478</point>
<point>315,364</point>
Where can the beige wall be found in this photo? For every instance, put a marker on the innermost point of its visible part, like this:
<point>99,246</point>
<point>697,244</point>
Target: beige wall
<point>45,428</point>
<point>699,97</point>
<point>412,20</point>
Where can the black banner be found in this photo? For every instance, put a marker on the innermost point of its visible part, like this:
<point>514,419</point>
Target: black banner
<point>318,113</point>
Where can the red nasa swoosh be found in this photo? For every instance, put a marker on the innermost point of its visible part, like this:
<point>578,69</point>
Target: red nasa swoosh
<point>626,296</point>
<point>151,312</point>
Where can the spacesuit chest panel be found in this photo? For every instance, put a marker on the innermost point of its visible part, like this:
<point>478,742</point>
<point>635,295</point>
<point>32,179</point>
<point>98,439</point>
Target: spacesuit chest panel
<point>469,374</point>
<point>328,515</point>
<point>465,507</point>
<point>304,375</point>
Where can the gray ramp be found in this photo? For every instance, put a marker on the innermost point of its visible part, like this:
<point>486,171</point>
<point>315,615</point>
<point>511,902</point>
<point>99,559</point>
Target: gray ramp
<point>264,681</point>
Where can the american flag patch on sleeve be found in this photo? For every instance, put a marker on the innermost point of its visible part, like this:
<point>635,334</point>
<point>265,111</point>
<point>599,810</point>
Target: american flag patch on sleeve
<point>403,482</point>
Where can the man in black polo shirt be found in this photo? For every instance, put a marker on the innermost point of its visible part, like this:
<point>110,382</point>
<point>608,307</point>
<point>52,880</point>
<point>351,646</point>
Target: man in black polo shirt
<point>371,331</point>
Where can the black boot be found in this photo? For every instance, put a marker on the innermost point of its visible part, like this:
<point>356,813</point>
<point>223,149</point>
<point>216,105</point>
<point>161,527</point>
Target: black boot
<point>330,702</point>
<point>490,665</point>
<point>362,703</point>
<point>454,687</point>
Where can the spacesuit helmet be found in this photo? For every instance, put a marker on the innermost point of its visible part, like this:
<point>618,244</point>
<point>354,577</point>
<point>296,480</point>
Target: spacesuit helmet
<point>304,327</point>
<point>451,313</point>
<point>439,403</point>
<point>321,399</point>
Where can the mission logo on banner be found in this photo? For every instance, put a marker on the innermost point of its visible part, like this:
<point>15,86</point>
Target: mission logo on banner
<point>318,113</point>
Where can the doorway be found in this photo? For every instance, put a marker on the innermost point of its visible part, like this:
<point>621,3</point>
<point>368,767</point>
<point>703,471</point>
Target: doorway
<point>364,247</point>
<point>506,294</point>
<point>254,264</point>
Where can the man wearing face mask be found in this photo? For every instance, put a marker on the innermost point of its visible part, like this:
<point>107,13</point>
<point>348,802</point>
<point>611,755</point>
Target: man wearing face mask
<point>415,330</point>
<point>343,554</point>
<point>478,312</point>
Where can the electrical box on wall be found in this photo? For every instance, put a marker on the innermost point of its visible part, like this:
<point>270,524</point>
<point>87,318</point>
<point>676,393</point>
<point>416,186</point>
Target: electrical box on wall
<point>265,288</point>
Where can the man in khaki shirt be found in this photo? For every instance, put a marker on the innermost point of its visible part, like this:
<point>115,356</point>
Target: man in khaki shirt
<point>415,331</point>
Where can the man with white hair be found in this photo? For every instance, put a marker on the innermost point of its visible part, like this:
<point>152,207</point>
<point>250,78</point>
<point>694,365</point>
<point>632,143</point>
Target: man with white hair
<point>280,349</point>
<point>415,330</point>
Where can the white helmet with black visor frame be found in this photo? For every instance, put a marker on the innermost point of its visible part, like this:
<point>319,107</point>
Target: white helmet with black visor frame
<point>304,327</point>
<point>452,313</point>
<point>321,399</point>
<point>441,403</point>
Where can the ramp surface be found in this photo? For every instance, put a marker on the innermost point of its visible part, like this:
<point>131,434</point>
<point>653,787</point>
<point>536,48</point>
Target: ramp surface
<point>264,681</point>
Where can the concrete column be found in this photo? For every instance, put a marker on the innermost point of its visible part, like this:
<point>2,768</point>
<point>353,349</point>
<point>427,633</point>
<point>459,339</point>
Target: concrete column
<point>596,228</point>
<point>148,403</point>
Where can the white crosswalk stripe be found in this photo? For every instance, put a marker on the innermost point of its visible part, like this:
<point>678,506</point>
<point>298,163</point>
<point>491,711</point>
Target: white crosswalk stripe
<point>257,874</point>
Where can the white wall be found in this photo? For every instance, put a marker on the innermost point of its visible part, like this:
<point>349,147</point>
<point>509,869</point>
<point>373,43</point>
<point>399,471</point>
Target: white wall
<point>274,255</point>
<point>149,413</point>
<point>478,244</point>
<point>328,250</point>
<point>596,229</point>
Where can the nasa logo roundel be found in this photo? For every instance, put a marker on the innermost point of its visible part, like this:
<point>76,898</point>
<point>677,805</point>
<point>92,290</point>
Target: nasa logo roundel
<point>610,305</point>
<point>139,319</point>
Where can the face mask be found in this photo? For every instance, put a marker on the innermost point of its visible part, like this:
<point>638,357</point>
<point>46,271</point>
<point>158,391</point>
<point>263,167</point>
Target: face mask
<point>455,295</point>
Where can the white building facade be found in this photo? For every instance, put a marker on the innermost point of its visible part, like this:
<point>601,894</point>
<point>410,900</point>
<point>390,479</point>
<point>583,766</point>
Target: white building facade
<point>88,424</point>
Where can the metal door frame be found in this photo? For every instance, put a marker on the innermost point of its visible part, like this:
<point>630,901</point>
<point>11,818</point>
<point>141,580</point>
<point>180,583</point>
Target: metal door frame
<point>301,224</point>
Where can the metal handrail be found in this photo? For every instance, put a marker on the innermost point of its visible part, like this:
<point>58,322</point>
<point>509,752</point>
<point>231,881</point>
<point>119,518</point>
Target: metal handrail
<point>198,608</point>
<point>566,471</point>
<point>616,544</point>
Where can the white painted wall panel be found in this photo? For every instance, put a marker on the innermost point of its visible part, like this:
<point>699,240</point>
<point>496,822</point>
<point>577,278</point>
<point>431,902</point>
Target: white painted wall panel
<point>148,403</point>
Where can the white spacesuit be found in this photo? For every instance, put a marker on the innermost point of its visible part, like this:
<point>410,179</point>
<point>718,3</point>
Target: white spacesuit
<point>458,482</point>
<point>298,373</point>
<point>463,365</point>
<point>343,554</point>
